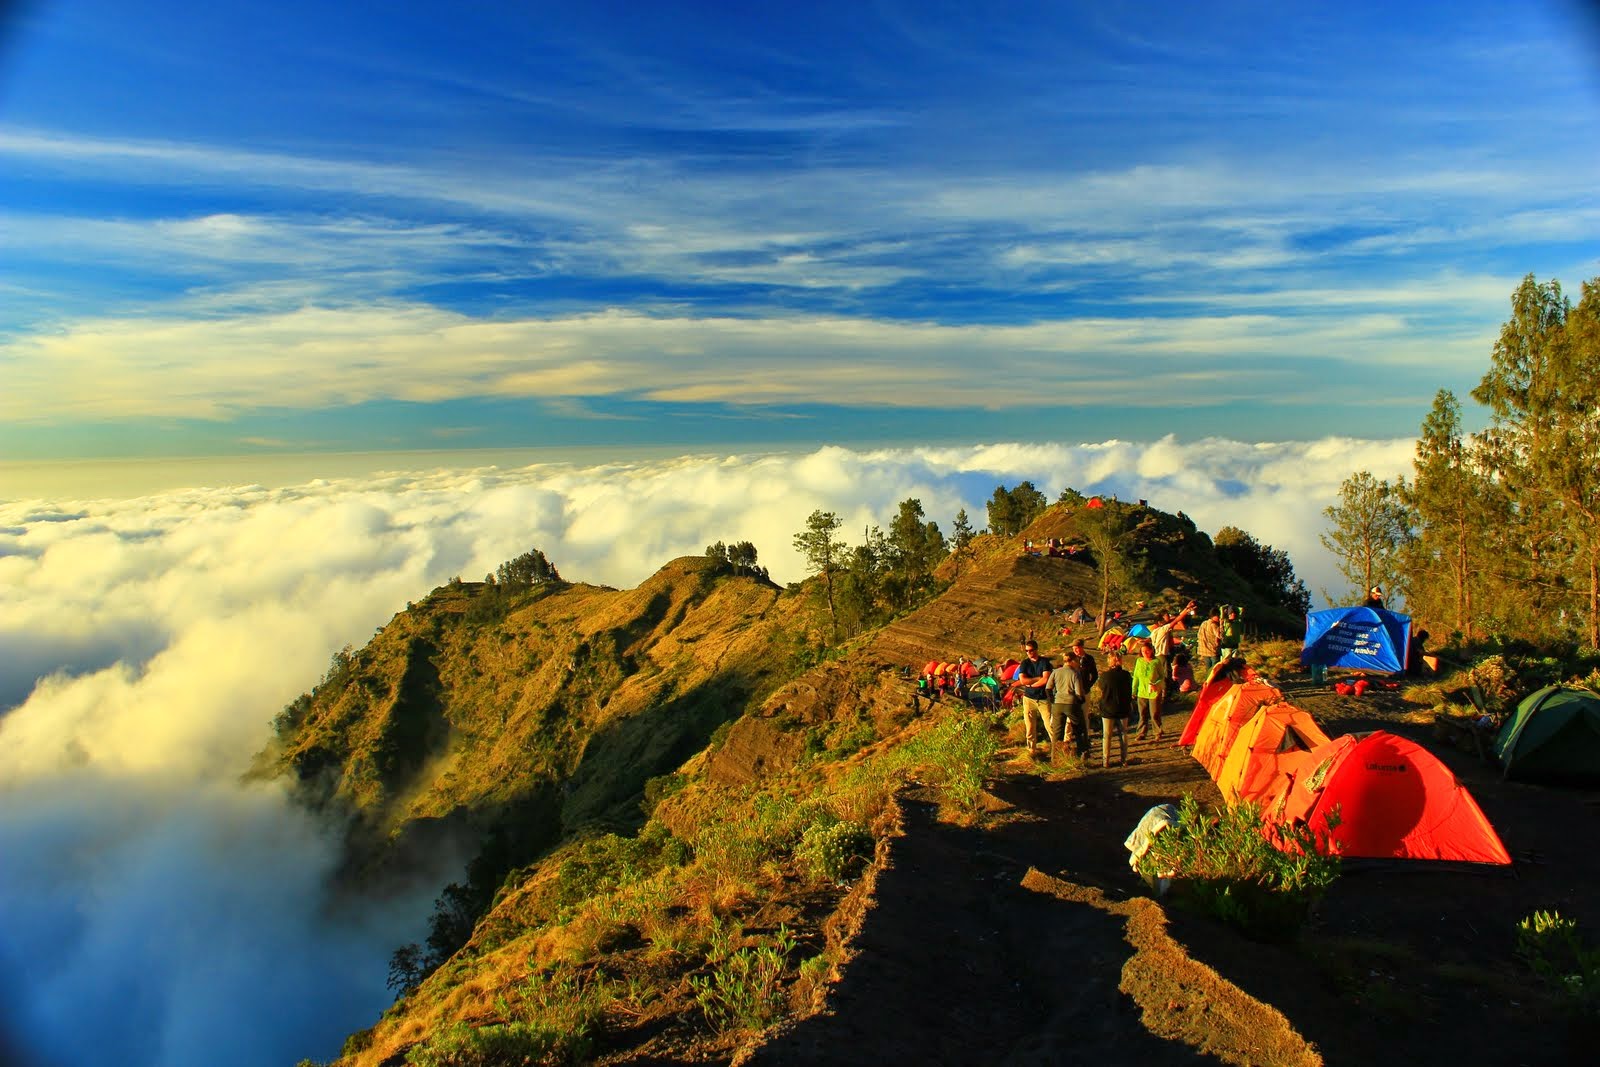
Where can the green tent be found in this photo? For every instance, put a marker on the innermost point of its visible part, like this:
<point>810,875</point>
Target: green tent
<point>1554,736</point>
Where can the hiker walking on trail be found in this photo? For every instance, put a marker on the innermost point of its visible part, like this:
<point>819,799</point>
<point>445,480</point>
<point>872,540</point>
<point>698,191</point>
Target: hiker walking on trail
<point>1068,693</point>
<point>1033,681</point>
<point>1115,689</point>
<point>1149,690</point>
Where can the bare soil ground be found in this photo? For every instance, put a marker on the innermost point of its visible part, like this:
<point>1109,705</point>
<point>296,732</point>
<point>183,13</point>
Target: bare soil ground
<point>1027,939</point>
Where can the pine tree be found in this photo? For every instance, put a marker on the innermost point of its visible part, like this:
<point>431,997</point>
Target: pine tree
<point>1543,394</point>
<point>1371,528</point>
<point>1451,498</point>
<point>819,545</point>
<point>961,537</point>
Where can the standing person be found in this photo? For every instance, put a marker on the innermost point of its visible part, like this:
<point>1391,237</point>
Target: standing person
<point>1161,635</point>
<point>1033,681</point>
<point>1116,707</point>
<point>1149,690</point>
<point>1069,693</point>
<point>1232,631</point>
<point>1089,668</point>
<point>1374,598</point>
<point>1208,642</point>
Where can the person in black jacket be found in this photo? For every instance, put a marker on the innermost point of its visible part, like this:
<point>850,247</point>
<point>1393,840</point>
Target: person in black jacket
<point>1115,689</point>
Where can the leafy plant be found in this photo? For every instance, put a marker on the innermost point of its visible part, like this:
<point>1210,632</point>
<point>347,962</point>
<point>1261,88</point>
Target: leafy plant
<point>1555,951</point>
<point>463,1045</point>
<point>743,990</point>
<point>836,852</point>
<point>959,751</point>
<point>1233,866</point>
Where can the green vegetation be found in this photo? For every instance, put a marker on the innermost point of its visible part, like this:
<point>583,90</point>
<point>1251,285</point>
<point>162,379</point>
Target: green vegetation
<point>1498,533</point>
<point>1230,865</point>
<point>959,752</point>
<point>1012,510</point>
<point>744,989</point>
<point>1554,950</point>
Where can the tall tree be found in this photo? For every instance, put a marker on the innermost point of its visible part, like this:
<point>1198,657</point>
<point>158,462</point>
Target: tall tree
<point>915,545</point>
<point>961,537</point>
<point>821,548</point>
<point>1450,496</point>
<point>1265,569</point>
<point>1371,528</point>
<point>1119,565</point>
<point>1541,389</point>
<point>1011,510</point>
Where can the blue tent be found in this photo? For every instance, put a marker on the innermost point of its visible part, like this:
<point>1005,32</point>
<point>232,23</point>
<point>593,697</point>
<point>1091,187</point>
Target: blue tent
<point>1366,638</point>
<point>1138,629</point>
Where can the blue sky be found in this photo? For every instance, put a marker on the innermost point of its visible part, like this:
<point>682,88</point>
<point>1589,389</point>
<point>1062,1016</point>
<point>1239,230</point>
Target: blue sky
<point>231,228</point>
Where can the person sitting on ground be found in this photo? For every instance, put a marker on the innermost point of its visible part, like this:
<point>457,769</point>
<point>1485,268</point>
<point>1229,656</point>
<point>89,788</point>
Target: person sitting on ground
<point>1115,692</point>
<point>1181,674</point>
<point>1417,654</point>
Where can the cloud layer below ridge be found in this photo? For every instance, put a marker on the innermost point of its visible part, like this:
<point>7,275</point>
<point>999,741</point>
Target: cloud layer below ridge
<point>149,642</point>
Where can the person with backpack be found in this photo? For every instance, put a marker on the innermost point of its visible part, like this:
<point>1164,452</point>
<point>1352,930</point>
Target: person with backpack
<point>1091,674</point>
<point>1114,690</point>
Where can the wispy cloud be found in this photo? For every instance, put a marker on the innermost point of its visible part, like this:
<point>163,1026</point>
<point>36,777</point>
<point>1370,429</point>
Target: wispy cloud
<point>322,357</point>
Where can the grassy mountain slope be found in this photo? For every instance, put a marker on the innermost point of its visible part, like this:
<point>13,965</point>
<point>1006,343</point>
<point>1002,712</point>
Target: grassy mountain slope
<point>527,725</point>
<point>548,709</point>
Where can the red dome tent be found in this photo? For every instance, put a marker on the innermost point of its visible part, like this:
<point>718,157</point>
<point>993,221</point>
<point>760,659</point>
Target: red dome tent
<point>1395,801</point>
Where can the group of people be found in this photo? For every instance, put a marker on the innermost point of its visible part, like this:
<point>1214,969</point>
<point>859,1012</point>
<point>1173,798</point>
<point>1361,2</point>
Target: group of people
<point>1133,688</point>
<point>1131,693</point>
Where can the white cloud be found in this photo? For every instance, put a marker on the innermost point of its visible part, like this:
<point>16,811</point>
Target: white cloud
<point>151,640</point>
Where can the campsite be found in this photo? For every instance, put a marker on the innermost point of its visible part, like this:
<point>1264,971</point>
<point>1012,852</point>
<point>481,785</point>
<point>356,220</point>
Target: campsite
<point>1021,933</point>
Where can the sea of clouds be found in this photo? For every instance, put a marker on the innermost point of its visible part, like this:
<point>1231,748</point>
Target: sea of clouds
<point>153,903</point>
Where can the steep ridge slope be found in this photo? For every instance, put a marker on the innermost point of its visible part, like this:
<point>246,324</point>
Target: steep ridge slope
<point>543,711</point>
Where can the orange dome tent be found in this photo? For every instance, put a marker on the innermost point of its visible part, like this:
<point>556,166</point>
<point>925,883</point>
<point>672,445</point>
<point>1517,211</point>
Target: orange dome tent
<point>1395,801</point>
<point>1226,718</point>
<point>1210,693</point>
<point>1277,739</point>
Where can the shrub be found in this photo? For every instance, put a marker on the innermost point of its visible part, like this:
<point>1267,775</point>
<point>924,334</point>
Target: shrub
<point>1258,877</point>
<point>959,751</point>
<point>1555,951</point>
<point>605,863</point>
<point>836,852</point>
<point>743,990</point>
<point>497,1044</point>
